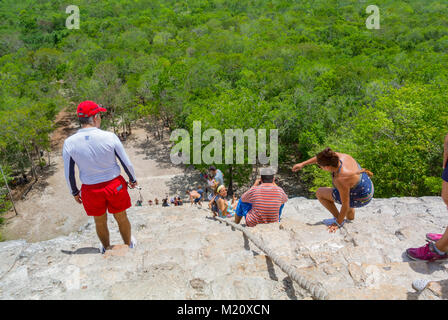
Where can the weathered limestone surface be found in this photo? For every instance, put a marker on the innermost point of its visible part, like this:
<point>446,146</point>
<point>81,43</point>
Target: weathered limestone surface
<point>184,254</point>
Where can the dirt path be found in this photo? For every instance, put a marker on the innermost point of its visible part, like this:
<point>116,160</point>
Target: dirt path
<point>66,125</point>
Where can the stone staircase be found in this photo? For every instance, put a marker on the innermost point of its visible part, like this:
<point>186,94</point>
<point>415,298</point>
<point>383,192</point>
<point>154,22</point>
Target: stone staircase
<point>183,253</point>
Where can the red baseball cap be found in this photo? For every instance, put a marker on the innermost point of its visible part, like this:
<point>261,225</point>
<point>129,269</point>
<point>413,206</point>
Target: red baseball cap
<point>88,108</point>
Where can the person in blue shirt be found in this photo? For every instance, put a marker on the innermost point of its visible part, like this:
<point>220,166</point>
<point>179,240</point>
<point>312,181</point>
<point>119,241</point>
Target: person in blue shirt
<point>216,174</point>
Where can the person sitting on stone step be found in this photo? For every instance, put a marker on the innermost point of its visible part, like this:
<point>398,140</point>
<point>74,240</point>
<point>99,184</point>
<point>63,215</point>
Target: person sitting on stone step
<point>211,203</point>
<point>221,206</point>
<point>263,202</point>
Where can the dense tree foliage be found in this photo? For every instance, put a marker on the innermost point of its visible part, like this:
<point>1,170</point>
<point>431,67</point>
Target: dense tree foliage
<point>310,68</point>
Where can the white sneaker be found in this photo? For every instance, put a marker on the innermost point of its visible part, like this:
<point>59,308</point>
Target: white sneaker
<point>133,242</point>
<point>102,249</point>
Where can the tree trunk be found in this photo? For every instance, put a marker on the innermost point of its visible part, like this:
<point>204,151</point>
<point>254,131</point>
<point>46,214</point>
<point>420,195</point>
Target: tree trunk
<point>230,192</point>
<point>32,163</point>
<point>161,131</point>
<point>114,125</point>
<point>9,191</point>
<point>36,148</point>
<point>255,172</point>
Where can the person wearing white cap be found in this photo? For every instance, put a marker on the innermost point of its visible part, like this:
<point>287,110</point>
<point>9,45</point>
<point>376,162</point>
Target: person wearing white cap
<point>263,201</point>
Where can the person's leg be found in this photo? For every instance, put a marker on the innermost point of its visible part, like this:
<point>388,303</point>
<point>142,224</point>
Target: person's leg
<point>445,192</point>
<point>280,212</point>
<point>237,219</point>
<point>241,210</point>
<point>124,226</point>
<point>351,214</point>
<point>102,231</point>
<point>442,244</point>
<point>325,196</point>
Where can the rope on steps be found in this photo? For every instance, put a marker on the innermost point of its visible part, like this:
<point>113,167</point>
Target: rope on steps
<point>316,289</point>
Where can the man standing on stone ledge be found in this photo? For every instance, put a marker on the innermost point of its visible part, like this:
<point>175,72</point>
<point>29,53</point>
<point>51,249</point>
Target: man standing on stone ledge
<point>103,189</point>
<point>263,202</point>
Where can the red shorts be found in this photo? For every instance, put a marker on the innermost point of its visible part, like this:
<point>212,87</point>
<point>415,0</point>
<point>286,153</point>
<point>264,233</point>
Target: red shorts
<point>111,195</point>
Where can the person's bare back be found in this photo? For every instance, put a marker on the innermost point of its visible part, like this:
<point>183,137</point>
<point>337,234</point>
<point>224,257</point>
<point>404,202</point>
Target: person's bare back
<point>195,196</point>
<point>350,170</point>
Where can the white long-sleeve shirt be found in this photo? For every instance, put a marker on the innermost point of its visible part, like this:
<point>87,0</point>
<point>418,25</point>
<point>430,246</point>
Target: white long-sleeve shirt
<point>94,151</point>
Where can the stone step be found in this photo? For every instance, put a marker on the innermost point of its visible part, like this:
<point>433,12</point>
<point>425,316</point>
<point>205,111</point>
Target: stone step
<point>389,281</point>
<point>183,253</point>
